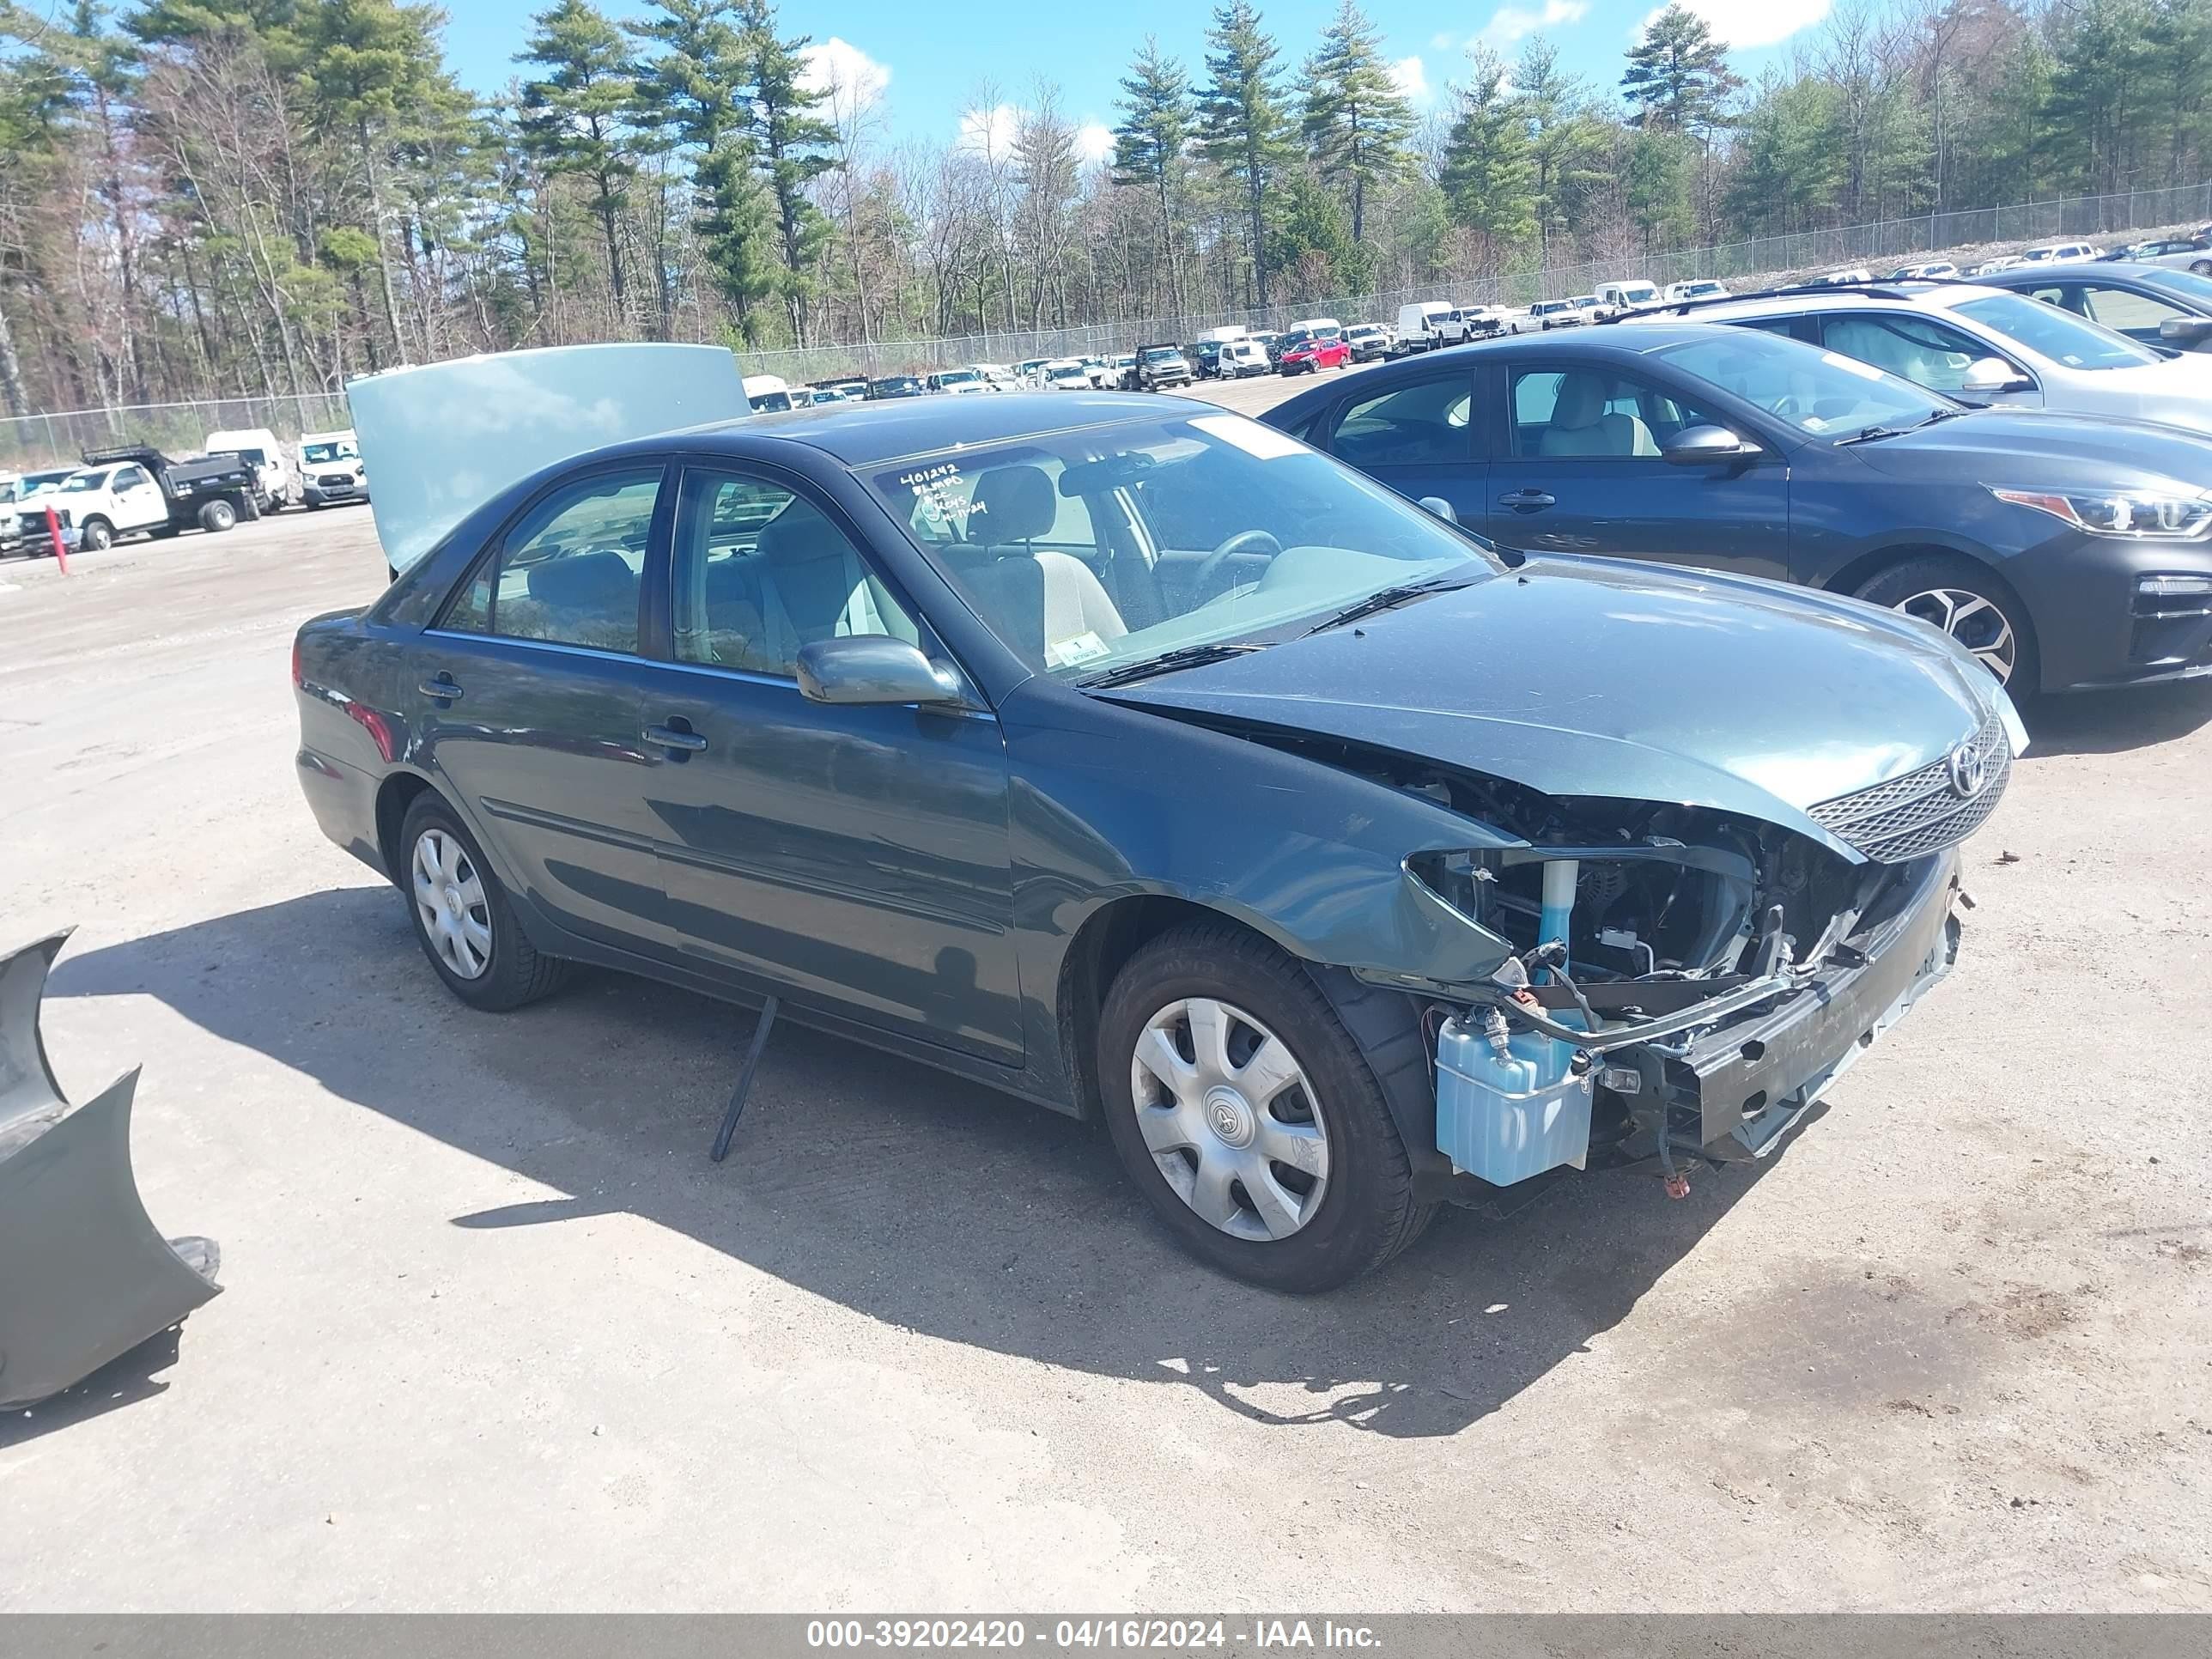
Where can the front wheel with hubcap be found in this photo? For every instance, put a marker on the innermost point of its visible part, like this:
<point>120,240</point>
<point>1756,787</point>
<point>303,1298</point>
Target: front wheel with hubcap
<point>462,917</point>
<point>1272,1156</point>
<point>96,535</point>
<point>1957,596</point>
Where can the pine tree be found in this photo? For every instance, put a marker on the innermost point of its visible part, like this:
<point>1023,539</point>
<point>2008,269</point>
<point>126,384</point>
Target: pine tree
<point>793,148</point>
<point>1242,128</point>
<point>1677,75</point>
<point>580,118</point>
<point>1488,174</point>
<point>1151,145</point>
<point>696,87</point>
<point>1356,122</point>
<point>1554,108</point>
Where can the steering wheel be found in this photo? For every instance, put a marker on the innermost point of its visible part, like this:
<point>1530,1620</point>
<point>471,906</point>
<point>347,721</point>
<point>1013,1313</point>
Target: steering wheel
<point>1244,541</point>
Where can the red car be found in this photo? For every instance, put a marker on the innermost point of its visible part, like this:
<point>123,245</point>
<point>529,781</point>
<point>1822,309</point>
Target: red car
<point>1311,356</point>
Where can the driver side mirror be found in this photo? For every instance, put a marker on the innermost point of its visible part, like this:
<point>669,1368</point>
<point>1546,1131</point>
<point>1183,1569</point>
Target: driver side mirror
<point>1988,376</point>
<point>1439,507</point>
<point>872,668</point>
<point>1706,446</point>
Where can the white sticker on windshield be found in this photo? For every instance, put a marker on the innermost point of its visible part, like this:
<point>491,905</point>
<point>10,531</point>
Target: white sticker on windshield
<point>1250,437</point>
<point>1082,649</point>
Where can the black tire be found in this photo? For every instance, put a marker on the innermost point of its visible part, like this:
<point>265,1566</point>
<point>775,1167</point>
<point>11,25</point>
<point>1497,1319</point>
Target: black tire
<point>1900,583</point>
<point>1367,1211</point>
<point>215,517</point>
<point>96,534</point>
<point>516,972</point>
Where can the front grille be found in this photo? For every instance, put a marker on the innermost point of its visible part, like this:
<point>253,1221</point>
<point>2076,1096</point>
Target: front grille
<point>1920,812</point>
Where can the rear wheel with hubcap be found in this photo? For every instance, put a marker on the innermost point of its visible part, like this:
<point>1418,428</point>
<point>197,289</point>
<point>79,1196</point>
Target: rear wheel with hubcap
<point>217,516</point>
<point>1956,596</point>
<point>462,917</point>
<point>1272,1156</point>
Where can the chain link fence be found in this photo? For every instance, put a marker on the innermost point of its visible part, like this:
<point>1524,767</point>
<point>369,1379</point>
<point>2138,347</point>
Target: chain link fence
<point>60,438</point>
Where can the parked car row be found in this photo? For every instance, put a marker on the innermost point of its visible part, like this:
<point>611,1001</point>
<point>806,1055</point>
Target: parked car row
<point>137,491</point>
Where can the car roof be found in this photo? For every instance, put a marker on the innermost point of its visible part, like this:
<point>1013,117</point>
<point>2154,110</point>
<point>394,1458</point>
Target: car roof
<point>2120,273</point>
<point>1929,295</point>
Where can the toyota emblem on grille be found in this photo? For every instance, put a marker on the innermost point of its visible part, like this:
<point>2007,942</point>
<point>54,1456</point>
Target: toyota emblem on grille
<point>1969,772</point>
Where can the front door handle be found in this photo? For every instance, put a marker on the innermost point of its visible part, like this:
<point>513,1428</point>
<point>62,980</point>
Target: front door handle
<point>1526,498</point>
<point>443,687</point>
<point>675,736</point>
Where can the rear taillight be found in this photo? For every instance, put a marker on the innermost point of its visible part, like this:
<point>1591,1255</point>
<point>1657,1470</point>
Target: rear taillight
<point>298,678</point>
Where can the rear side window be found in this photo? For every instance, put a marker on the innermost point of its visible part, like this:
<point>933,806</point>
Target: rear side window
<point>1424,424</point>
<point>569,572</point>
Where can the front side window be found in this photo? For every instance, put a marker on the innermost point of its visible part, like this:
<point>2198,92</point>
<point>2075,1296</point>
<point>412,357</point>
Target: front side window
<point>2058,335</point>
<point>1424,424</point>
<point>2124,309</point>
<point>761,571</point>
<point>1917,348</point>
<point>1193,529</point>
<point>129,477</point>
<point>569,572</point>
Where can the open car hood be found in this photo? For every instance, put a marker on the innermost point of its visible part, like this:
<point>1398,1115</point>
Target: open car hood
<point>1592,677</point>
<point>442,439</point>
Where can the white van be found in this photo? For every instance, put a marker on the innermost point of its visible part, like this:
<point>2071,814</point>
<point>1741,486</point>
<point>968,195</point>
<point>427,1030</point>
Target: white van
<point>1416,323</point>
<point>1635,295</point>
<point>1319,327</point>
<point>257,447</point>
<point>330,469</point>
<point>1222,334</point>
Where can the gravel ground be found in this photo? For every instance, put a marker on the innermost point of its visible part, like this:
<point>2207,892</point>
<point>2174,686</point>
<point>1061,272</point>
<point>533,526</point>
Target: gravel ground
<point>496,1335</point>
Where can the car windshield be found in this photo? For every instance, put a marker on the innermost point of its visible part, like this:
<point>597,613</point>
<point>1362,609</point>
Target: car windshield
<point>1822,393</point>
<point>1101,548</point>
<point>896,383</point>
<point>2186,283</point>
<point>958,377</point>
<point>321,455</point>
<point>1161,354</point>
<point>85,481</point>
<point>2059,335</point>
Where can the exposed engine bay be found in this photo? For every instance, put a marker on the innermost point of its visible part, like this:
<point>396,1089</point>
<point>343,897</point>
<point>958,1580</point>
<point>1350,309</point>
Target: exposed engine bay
<point>1677,977</point>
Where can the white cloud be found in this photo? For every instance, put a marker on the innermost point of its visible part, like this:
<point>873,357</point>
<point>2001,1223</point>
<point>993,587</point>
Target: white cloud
<point>841,68</point>
<point>1743,24</point>
<point>1412,78</point>
<point>1510,23</point>
<point>1094,141</point>
<point>990,132</point>
<point>1442,40</point>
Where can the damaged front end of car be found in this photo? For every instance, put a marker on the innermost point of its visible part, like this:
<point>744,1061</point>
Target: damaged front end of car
<point>1671,983</point>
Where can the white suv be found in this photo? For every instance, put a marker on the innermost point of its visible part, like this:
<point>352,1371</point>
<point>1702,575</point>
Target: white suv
<point>1985,346</point>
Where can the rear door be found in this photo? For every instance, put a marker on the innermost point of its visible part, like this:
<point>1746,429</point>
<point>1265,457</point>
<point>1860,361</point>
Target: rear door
<point>525,699</point>
<point>1416,437</point>
<point>1579,471</point>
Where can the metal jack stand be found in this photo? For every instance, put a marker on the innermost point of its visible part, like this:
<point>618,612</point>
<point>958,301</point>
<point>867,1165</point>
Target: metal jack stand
<point>721,1149</point>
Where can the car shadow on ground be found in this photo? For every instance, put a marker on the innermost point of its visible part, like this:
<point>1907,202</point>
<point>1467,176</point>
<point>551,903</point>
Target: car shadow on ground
<point>2113,722</point>
<point>905,1195</point>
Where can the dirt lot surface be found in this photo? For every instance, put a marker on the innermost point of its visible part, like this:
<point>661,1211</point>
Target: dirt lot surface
<point>495,1334</point>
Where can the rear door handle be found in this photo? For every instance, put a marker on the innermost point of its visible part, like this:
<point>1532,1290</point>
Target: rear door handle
<point>441,687</point>
<point>1526,498</point>
<point>670,737</point>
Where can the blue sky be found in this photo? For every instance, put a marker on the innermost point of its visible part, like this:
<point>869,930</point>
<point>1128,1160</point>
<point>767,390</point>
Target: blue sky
<point>925,67</point>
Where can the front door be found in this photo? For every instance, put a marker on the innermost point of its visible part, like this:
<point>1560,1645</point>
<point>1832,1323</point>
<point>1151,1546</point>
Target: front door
<point>853,855</point>
<point>1580,472</point>
<point>526,700</point>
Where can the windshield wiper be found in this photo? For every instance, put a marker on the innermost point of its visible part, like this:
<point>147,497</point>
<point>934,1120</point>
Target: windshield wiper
<point>1385,598</point>
<point>1877,433</point>
<point>1184,656</point>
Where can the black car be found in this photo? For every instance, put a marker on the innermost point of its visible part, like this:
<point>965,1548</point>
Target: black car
<point>2154,304</point>
<point>896,386</point>
<point>2065,553</point>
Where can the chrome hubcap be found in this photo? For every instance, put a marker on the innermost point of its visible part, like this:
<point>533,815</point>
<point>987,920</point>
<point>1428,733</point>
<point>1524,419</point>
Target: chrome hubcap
<point>449,901</point>
<point>1974,621</point>
<point>1228,1115</point>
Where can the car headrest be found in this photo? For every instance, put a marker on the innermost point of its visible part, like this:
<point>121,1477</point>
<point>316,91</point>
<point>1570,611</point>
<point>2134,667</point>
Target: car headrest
<point>585,582</point>
<point>1017,503</point>
<point>799,535</point>
<point>1580,401</point>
